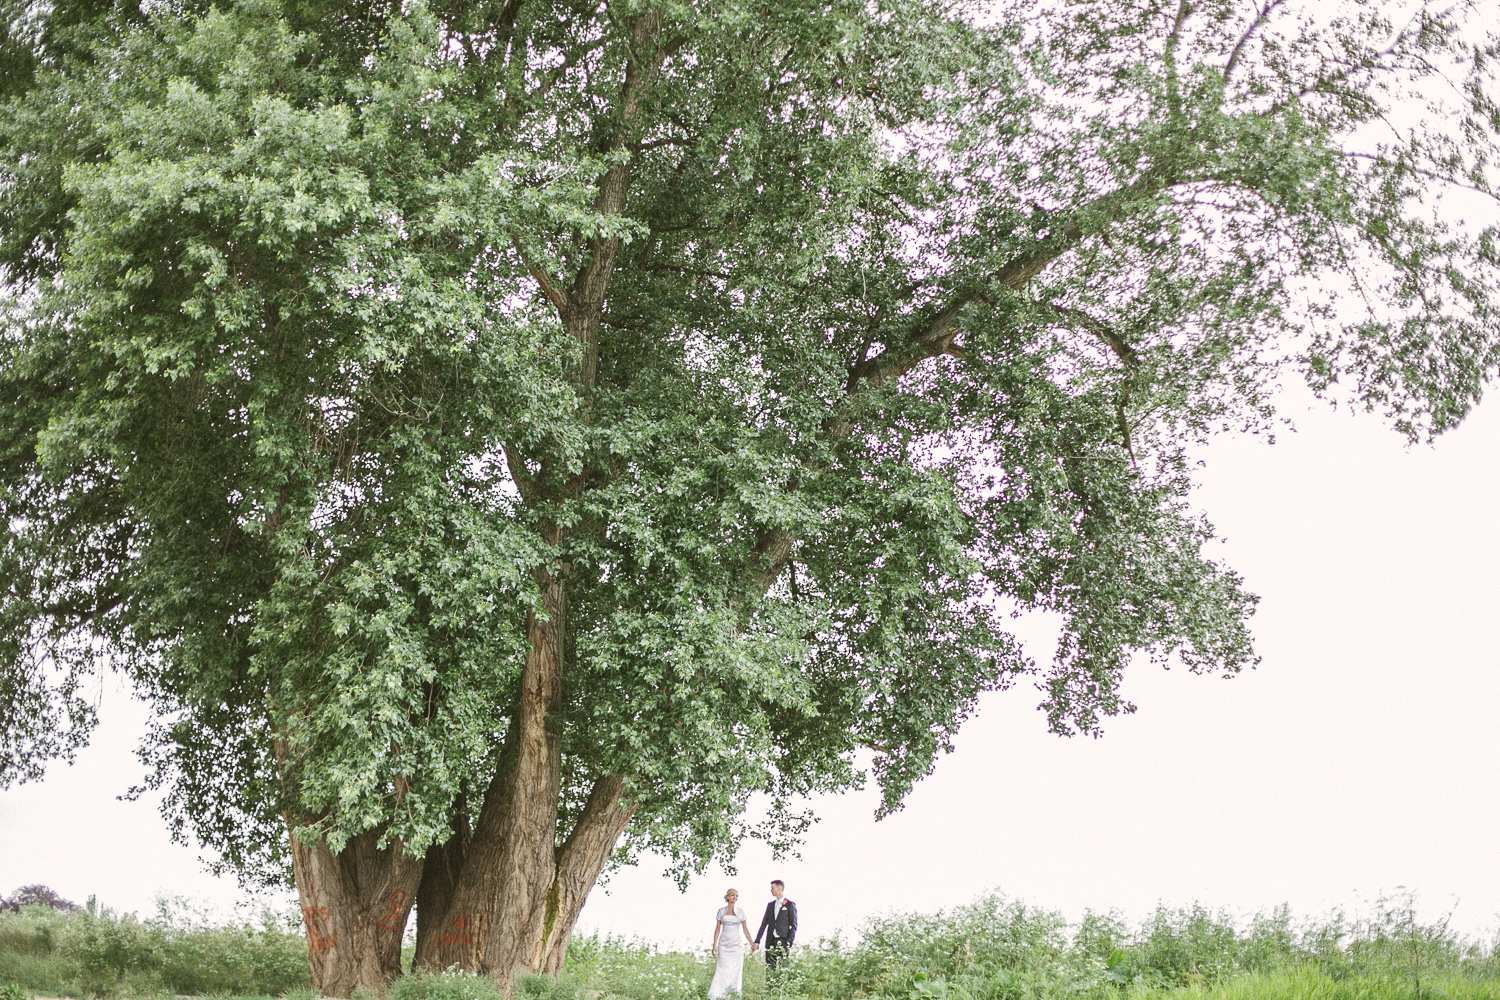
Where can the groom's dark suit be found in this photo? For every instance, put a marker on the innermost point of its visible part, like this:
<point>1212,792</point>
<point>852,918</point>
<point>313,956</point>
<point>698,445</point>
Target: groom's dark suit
<point>782,928</point>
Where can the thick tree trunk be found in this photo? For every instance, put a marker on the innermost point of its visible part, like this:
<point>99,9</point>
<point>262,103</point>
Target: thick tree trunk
<point>508,864</point>
<point>505,900</point>
<point>547,932</point>
<point>354,905</point>
<point>528,830</point>
<point>441,869</point>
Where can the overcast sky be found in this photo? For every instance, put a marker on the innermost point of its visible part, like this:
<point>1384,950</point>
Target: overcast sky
<point>1360,756</point>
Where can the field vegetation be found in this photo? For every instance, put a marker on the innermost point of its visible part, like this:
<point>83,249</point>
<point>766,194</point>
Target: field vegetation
<point>993,949</point>
<point>179,950</point>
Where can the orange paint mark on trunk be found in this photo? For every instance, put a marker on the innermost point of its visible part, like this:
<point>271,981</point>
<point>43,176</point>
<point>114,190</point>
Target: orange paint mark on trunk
<point>318,939</point>
<point>395,913</point>
<point>460,935</point>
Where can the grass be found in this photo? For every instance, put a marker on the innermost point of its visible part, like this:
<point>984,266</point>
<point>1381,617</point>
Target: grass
<point>1311,984</point>
<point>992,949</point>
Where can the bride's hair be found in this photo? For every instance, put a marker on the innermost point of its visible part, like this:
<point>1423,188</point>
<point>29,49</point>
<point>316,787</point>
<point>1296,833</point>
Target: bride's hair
<point>731,892</point>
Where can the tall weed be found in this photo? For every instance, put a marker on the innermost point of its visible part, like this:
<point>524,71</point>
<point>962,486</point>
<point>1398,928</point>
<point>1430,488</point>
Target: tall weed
<point>100,953</point>
<point>993,949</point>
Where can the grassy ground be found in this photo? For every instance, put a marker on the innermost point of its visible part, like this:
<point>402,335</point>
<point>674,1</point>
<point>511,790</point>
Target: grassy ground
<point>993,949</point>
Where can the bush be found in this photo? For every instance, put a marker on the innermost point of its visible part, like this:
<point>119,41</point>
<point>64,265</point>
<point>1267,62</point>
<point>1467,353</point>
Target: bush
<point>268,958</point>
<point>443,986</point>
<point>992,949</point>
<point>99,953</point>
<point>1001,949</point>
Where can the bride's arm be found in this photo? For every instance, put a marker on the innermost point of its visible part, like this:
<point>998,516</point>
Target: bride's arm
<point>745,926</point>
<point>717,927</point>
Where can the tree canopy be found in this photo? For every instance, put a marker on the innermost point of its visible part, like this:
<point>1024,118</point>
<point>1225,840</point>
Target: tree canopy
<point>754,357</point>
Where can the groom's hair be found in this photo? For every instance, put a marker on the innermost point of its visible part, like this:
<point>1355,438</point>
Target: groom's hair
<point>777,881</point>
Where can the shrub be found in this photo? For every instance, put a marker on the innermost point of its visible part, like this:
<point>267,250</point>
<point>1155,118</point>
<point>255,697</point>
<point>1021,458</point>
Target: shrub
<point>100,953</point>
<point>1000,949</point>
<point>443,986</point>
<point>992,949</point>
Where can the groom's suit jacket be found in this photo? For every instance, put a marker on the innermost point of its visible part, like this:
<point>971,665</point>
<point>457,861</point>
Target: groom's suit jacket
<point>783,925</point>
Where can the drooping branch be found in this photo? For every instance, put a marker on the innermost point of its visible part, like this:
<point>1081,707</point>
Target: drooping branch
<point>1121,349</point>
<point>1103,331</point>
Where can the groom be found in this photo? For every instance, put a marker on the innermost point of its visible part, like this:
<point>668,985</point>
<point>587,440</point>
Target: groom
<point>781,922</point>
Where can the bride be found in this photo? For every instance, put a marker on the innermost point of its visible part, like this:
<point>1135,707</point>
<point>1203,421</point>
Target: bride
<point>729,924</point>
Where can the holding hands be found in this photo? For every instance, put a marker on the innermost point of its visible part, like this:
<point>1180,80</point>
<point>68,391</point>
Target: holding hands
<point>729,953</point>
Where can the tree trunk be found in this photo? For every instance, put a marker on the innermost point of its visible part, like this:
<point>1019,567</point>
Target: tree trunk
<point>579,863</point>
<point>354,905</point>
<point>548,930</point>
<point>441,869</point>
<point>508,864</point>
<point>505,900</point>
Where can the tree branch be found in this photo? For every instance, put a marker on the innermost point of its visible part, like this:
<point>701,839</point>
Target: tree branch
<point>1431,175</point>
<point>1122,350</point>
<point>1239,47</point>
<point>558,299</point>
<point>773,548</point>
<point>935,338</point>
<point>1115,342</point>
<point>1369,62</point>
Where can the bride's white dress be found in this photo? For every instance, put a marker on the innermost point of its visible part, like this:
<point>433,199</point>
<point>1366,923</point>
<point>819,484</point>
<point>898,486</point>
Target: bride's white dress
<point>729,971</point>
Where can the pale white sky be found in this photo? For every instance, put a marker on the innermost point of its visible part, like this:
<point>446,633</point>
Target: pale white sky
<point>1360,756</point>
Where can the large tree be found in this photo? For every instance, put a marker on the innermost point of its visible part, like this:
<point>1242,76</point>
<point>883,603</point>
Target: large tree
<point>503,437</point>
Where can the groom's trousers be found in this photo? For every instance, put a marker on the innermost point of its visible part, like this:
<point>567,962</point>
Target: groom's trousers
<point>775,952</point>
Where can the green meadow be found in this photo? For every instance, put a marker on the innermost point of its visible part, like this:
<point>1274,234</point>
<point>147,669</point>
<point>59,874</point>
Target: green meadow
<point>992,949</point>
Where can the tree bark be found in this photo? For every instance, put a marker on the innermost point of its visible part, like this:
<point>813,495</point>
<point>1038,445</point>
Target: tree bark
<point>548,931</point>
<point>579,862</point>
<point>505,901</point>
<point>441,869</point>
<point>354,906</point>
<point>508,864</point>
